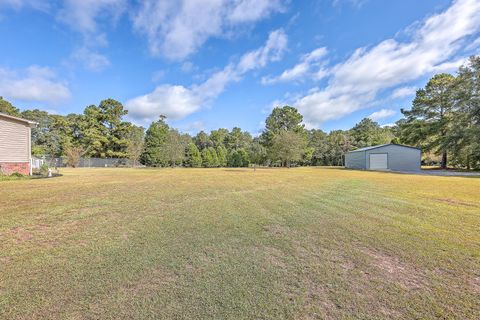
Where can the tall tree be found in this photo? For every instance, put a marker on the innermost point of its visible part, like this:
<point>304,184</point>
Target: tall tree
<point>238,139</point>
<point>288,147</point>
<point>429,122</point>
<point>202,140</point>
<point>117,131</point>
<point>93,132</point>
<point>135,144</point>
<point>155,139</point>
<point>466,137</point>
<point>174,147</point>
<point>222,154</point>
<point>257,154</point>
<point>193,156</point>
<point>369,133</point>
<point>8,108</point>
<point>318,142</point>
<point>42,137</point>
<point>209,158</point>
<point>238,158</point>
<point>217,137</point>
<point>339,142</point>
<point>284,118</point>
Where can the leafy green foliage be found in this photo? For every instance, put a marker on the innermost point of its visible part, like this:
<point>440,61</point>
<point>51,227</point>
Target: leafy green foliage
<point>369,133</point>
<point>288,147</point>
<point>135,144</point>
<point>284,118</point>
<point>238,158</point>
<point>444,119</point>
<point>193,156</point>
<point>155,139</point>
<point>429,121</point>
<point>222,156</point>
<point>209,158</point>
<point>7,108</point>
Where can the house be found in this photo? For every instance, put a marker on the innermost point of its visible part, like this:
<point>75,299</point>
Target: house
<point>15,144</point>
<point>390,156</point>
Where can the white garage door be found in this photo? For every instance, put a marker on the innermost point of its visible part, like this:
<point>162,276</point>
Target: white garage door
<point>378,161</point>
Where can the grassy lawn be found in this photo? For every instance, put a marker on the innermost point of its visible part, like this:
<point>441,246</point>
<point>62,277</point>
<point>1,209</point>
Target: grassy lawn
<point>306,243</point>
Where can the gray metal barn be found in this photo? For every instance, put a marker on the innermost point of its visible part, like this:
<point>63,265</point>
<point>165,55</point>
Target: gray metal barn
<point>390,156</point>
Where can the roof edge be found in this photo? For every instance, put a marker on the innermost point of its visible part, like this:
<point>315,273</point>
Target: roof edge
<point>383,145</point>
<point>31,123</point>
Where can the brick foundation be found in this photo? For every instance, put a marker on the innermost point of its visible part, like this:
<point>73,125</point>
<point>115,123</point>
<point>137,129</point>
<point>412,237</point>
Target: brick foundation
<point>7,168</point>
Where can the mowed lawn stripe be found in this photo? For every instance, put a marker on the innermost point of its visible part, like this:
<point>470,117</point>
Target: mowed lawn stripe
<point>236,244</point>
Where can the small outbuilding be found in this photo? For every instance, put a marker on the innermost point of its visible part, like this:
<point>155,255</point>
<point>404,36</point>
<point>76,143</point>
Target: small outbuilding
<point>390,156</point>
<point>15,144</point>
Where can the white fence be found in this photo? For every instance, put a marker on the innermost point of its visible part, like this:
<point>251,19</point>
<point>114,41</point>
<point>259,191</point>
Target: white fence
<point>36,163</point>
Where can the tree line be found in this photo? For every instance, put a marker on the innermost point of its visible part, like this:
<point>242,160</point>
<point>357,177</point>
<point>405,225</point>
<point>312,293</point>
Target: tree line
<point>444,121</point>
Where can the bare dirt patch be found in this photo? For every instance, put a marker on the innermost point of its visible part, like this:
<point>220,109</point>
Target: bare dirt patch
<point>317,303</point>
<point>20,234</point>
<point>153,281</point>
<point>276,230</point>
<point>396,270</point>
<point>475,283</point>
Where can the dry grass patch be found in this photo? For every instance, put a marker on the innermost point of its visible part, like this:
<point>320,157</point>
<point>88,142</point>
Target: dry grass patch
<point>300,243</point>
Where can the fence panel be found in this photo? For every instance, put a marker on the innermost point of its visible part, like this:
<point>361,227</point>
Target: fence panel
<point>90,162</point>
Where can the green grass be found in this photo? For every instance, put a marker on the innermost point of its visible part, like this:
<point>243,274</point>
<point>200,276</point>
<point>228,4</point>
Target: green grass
<point>305,243</point>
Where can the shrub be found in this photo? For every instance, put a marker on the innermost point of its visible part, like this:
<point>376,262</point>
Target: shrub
<point>44,169</point>
<point>17,175</point>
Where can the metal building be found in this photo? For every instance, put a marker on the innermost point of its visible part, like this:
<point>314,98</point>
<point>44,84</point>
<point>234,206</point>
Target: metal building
<point>390,156</point>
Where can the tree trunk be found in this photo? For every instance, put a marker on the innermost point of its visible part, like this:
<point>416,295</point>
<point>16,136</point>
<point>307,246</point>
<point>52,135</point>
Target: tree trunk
<point>444,160</point>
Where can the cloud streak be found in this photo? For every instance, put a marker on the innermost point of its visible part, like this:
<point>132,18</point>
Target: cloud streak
<point>355,83</point>
<point>33,84</point>
<point>176,29</point>
<point>177,101</point>
<point>382,114</point>
<point>303,69</point>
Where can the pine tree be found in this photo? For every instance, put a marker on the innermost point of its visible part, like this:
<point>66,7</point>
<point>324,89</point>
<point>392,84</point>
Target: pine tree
<point>193,156</point>
<point>155,139</point>
<point>222,156</point>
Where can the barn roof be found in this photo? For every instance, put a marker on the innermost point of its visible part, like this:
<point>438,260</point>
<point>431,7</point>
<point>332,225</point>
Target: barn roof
<point>382,145</point>
<point>31,123</point>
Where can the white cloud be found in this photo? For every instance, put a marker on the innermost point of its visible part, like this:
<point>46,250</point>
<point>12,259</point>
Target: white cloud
<point>386,125</point>
<point>252,10</point>
<point>91,60</point>
<point>355,83</point>
<point>176,29</point>
<point>172,101</point>
<point>355,3</point>
<point>82,15</point>
<point>272,51</point>
<point>41,5</point>
<point>187,67</point>
<point>404,92</point>
<point>33,84</point>
<point>303,68</point>
<point>176,101</point>
<point>158,75</point>
<point>382,114</point>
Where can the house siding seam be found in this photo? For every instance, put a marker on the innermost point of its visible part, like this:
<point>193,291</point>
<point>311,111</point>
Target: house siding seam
<point>14,141</point>
<point>15,145</point>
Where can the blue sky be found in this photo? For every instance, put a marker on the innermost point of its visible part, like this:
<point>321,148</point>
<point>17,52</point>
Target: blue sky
<point>207,64</point>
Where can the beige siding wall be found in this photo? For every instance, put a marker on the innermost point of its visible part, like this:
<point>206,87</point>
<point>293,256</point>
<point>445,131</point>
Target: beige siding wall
<point>14,141</point>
